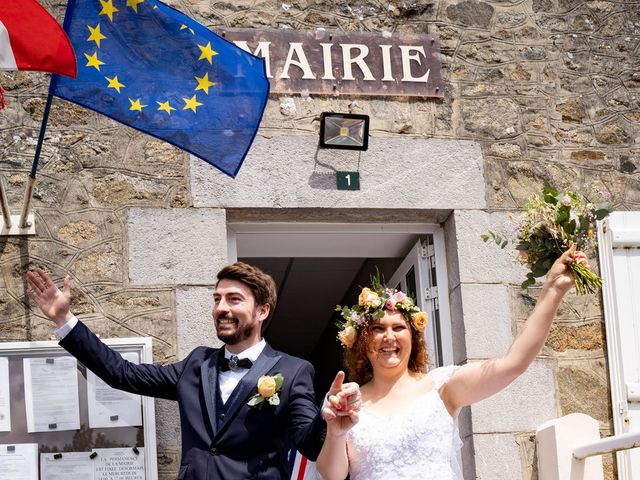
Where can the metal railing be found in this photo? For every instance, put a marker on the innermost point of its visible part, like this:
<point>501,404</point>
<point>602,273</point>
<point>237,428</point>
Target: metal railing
<point>615,443</point>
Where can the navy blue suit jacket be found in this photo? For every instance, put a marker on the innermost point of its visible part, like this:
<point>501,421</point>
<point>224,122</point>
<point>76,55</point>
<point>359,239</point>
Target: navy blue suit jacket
<point>247,443</point>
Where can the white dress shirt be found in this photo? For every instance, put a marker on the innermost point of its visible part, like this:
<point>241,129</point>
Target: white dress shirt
<point>64,330</point>
<point>229,380</point>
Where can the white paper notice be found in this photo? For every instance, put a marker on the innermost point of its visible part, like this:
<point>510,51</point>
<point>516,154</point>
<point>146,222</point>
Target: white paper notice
<point>66,466</point>
<point>119,464</point>
<point>109,407</point>
<point>5,403</point>
<point>19,461</point>
<point>51,394</point>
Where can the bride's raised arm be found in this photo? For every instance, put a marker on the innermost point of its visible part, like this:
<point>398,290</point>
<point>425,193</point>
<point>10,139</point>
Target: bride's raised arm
<point>476,381</point>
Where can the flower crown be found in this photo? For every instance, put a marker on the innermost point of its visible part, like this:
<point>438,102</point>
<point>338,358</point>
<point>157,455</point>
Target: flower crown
<point>371,306</point>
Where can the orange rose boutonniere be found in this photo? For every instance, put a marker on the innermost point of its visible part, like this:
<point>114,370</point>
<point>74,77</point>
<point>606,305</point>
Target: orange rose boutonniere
<point>268,388</point>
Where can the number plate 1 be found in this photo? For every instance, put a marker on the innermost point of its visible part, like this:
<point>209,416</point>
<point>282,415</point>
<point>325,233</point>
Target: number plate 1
<point>348,180</point>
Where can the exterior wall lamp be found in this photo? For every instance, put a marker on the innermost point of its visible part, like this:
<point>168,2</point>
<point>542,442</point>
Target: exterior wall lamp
<point>344,130</point>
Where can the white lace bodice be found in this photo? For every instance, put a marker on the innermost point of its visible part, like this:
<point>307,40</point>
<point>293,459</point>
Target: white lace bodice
<point>421,441</point>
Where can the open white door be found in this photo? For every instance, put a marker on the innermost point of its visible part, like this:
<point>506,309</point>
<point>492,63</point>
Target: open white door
<point>422,274</point>
<point>619,239</point>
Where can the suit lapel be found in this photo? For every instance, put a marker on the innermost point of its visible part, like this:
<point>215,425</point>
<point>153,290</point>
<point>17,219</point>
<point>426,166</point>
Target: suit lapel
<point>209,378</point>
<point>265,362</point>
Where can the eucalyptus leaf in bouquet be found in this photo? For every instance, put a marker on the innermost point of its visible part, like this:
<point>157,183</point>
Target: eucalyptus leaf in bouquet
<point>548,226</point>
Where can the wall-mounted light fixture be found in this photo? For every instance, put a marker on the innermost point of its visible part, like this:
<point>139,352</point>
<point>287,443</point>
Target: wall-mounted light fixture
<point>344,130</point>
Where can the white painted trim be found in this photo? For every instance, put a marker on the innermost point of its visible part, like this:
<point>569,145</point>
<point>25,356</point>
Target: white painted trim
<point>232,245</point>
<point>442,276</point>
<point>626,238</point>
<point>611,312</point>
<point>339,240</point>
<point>299,227</point>
<point>49,346</point>
<point>633,392</point>
<point>618,231</point>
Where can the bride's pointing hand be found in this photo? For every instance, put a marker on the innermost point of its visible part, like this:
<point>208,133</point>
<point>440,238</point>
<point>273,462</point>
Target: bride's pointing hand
<point>343,403</point>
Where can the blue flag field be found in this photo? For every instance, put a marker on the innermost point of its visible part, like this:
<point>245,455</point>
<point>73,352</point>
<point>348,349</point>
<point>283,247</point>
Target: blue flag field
<point>155,69</point>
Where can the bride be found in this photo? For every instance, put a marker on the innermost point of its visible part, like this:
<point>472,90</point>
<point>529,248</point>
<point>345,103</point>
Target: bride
<point>406,427</point>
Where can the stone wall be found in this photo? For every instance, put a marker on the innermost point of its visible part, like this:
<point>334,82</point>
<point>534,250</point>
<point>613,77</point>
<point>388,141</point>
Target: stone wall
<point>548,90</point>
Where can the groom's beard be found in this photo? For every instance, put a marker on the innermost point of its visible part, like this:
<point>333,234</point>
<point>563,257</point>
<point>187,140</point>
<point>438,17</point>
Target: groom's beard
<point>242,332</point>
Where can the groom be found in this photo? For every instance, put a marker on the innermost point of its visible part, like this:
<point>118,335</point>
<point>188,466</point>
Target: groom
<point>242,407</point>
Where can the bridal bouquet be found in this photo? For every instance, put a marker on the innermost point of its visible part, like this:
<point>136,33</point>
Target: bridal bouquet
<point>549,225</point>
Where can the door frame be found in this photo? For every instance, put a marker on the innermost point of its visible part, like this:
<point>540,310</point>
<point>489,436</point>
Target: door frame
<point>423,259</point>
<point>354,232</point>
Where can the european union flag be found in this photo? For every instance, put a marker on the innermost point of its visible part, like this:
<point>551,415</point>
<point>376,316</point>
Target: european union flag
<point>155,69</point>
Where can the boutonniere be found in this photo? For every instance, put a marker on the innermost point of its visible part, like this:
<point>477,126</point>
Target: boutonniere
<point>268,388</point>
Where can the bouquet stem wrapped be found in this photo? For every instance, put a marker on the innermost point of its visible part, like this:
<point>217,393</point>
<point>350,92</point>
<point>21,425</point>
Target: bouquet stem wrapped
<point>585,280</point>
<point>549,225</point>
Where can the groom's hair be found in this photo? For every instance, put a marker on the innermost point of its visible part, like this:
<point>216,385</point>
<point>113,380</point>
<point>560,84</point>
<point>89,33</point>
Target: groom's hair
<point>260,283</point>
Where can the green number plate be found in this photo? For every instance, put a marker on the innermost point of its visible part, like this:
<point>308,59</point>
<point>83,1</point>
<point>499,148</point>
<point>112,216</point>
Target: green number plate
<point>348,180</point>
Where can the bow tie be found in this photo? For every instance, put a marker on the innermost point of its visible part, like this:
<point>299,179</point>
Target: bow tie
<point>234,363</point>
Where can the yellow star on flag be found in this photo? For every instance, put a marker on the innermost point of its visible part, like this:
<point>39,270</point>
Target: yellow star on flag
<point>96,35</point>
<point>207,52</point>
<point>184,27</point>
<point>164,106</point>
<point>136,105</point>
<point>204,83</point>
<point>108,9</point>
<point>134,4</point>
<point>93,61</point>
<point>114,83</point>
<point>191,103</point>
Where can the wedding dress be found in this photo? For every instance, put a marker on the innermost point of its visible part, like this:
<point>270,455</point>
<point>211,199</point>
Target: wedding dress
<point>419,442</point>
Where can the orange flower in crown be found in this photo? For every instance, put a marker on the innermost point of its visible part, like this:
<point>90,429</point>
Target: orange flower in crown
<point>419,321</point>
<point>372,302</point>
<point>369,299</point>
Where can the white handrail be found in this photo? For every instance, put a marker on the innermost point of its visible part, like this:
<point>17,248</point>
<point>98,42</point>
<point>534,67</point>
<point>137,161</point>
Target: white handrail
<point>614,443</point>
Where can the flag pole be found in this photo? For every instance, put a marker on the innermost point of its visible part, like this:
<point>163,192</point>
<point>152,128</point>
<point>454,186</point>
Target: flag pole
<point>6,214</point>
<point>31,180</point>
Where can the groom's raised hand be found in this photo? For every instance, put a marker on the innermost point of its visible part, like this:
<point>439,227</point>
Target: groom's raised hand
<point>53,302</point>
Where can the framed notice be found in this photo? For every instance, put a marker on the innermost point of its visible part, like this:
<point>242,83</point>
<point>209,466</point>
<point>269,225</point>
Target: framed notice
<point>64,419</point>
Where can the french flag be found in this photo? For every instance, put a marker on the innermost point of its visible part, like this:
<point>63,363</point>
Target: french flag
<point>31,39</point>
<point>302,468</point>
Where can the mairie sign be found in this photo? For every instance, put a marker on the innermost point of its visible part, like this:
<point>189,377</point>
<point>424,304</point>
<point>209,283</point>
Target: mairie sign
<point>335,63</point>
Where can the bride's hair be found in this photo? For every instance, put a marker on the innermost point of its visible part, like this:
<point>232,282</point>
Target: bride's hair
<point>357,363</point>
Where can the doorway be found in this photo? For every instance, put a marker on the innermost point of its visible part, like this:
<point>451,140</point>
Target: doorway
<point>319,266</point>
